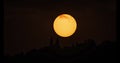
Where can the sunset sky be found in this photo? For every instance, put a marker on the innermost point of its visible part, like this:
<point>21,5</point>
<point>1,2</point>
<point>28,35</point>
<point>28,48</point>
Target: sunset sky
<point>28,24</point>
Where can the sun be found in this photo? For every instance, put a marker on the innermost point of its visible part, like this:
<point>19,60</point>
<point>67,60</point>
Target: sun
<point>64,25</point>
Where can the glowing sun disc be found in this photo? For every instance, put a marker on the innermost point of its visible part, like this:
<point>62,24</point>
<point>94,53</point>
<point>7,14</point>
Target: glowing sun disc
<point>65,25</point>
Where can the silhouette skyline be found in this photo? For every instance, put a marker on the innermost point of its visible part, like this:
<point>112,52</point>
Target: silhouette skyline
<point>105,52</point>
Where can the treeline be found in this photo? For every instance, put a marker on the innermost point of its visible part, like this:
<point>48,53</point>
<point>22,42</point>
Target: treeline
<point>85,52</point>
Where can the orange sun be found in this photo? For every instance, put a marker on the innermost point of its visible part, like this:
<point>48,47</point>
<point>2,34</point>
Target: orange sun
<point>65,25</point>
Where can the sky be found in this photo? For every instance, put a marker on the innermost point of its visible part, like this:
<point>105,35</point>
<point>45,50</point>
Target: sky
<point>28,24</point>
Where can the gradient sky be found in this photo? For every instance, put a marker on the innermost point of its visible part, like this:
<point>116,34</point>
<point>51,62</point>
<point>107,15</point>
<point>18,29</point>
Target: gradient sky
<point>28,24</point>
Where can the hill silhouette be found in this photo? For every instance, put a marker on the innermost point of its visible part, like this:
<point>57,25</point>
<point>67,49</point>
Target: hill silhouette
<point>85,52</point>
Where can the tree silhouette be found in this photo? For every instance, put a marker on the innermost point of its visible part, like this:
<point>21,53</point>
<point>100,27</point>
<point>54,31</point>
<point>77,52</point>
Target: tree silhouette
<point>51,42</point>
<point>57,43</point>
<point>87,51</point>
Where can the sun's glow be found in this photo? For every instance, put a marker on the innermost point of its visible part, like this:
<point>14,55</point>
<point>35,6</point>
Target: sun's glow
<point>64,25</point>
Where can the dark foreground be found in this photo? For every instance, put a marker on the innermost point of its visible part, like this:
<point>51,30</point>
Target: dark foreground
<point>87,52</point>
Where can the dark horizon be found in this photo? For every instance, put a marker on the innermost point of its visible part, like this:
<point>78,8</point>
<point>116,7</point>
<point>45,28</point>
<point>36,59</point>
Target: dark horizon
<point>57,43</point>
<point>28,24</point>
<point>85,52</point>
